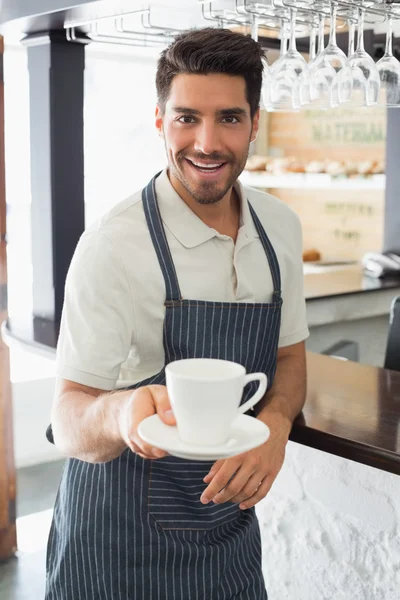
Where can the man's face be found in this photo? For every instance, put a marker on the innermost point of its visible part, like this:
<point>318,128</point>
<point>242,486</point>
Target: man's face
<point>207,130</point>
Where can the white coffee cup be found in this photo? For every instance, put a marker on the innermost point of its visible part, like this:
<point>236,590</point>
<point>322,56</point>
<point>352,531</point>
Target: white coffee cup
<point>205,395</point>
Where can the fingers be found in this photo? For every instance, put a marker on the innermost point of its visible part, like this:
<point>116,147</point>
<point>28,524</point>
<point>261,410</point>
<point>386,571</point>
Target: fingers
<point>152,453</point>
<point>235,479</point>
<point>244,479</point>
<point>213,471</point>
<point>227,479</point>
<point>249,489</point>
<point>162,403</point>
<point>258,495</point>
<point>147,401</point>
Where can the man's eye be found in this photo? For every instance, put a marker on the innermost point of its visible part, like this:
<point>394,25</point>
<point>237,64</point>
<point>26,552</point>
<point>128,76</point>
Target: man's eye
<point>185,119</point>
<point>230,120</point>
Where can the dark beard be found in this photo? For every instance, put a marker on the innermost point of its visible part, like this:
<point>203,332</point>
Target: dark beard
<point>209,193</point>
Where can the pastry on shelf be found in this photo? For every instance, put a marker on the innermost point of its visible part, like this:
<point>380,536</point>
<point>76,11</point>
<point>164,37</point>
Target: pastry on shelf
<point>277,166</point>
<point>351,168</point>
<point>311,255</point>
<point>365,167</point>
<point>286,164</point>
<point>315,166</point>
<point>256,163</point>
<point>335,168</point>
<point>296,166</point>
<point>378,167</point>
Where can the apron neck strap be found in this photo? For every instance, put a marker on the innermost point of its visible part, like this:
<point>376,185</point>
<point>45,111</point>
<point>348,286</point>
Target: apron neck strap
<point>269,251</point>
<point>159,239</point>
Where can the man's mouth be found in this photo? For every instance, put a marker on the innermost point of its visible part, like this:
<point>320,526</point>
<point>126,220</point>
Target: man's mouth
<point>204,167</point>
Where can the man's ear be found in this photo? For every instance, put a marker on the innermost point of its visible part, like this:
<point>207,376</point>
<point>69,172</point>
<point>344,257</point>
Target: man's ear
<point>159,121</point>
<point>255,125</point>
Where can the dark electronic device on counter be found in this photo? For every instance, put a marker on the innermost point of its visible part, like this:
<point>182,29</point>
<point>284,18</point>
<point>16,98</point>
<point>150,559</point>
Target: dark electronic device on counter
<point>392,357</point>
<point>378,264</point>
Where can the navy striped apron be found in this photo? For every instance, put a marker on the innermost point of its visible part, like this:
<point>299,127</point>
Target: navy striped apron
<point>135,529</point>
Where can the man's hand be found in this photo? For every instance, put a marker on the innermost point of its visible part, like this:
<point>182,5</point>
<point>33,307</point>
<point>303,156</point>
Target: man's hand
<point>248,477</point>
<point>144,402</point>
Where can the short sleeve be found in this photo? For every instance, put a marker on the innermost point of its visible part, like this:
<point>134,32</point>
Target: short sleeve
<point>97,324</point>
<point>294,326</point>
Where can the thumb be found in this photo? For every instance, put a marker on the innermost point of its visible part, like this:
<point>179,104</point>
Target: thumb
<point>162,404</point>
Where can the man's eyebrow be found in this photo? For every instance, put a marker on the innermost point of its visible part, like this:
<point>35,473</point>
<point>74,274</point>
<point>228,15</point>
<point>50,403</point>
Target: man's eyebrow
<point>236,111</point>
<point>223,112</point>
<point>186,110</point>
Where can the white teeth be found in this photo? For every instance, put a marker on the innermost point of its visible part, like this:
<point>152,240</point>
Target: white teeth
<point>207,166</point>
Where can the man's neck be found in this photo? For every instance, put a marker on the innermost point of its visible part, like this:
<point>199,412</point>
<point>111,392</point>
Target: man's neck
<point>223,216</point>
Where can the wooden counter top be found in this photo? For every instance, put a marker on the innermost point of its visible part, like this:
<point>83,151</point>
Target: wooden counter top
<point>353,411</point>
<point>345,281</point>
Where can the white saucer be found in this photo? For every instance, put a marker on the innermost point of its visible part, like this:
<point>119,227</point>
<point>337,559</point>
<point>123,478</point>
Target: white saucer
<point>246,433</point>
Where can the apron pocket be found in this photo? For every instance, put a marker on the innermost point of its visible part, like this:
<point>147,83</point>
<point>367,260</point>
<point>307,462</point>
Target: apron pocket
<point>175,487</point>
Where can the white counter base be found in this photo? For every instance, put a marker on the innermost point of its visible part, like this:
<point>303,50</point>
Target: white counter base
<point>331,530</point>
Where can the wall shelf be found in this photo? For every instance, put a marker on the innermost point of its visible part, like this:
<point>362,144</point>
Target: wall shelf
<point>259,179</point>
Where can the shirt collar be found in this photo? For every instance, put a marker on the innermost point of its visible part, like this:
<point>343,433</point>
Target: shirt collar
<point>187,227</point>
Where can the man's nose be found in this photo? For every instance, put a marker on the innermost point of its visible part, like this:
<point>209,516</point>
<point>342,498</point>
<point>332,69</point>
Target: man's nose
<point>207,140</point>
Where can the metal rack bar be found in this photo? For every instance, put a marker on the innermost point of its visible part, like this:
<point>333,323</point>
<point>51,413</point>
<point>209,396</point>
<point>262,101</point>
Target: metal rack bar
<point>120,28</point>
<point>255,15</point>
<point>146,22</point>
<point>88,22</point>
<point>131,40</point>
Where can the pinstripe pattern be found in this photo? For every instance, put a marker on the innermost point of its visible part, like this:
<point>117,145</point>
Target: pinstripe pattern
<point>135,529</point>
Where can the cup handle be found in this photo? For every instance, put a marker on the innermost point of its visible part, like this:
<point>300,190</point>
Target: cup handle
<point>262,378</point>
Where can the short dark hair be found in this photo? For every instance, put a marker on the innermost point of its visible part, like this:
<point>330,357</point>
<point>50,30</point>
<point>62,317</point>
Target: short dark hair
<point>209,50</point>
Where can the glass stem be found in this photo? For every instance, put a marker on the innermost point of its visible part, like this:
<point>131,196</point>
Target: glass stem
<point>312,43</point>
<point>389,36</point>
<point>292,43</point>
<point>321,35</point>
<point>254,28</point>
<point>352,35</point>
<point>332,34</point>
<point>360,36</point>
<point>283,49</point>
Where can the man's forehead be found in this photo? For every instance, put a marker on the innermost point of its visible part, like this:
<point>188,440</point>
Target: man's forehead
<point>213,92</point>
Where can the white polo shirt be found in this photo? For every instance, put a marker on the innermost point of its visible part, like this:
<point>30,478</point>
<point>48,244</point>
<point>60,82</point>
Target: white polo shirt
<point>111,332</point>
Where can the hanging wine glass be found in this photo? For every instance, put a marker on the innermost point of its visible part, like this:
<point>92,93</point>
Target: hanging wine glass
<point>352,36</point>
<point>332,68</point>
<point>266,78</point>
<point>389,73</point>
<point>265,73</point>
<point>366,80</point>
<point>320,85</point>
<point>285,93</point>
<point>284,44</point>
<point>254,28</point>
<point>312,53</point>
<point>268,72</point>
<point>305,81</point>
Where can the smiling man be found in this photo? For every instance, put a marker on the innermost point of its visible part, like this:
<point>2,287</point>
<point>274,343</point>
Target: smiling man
<point>207,139</point>
<point>194,265</point>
